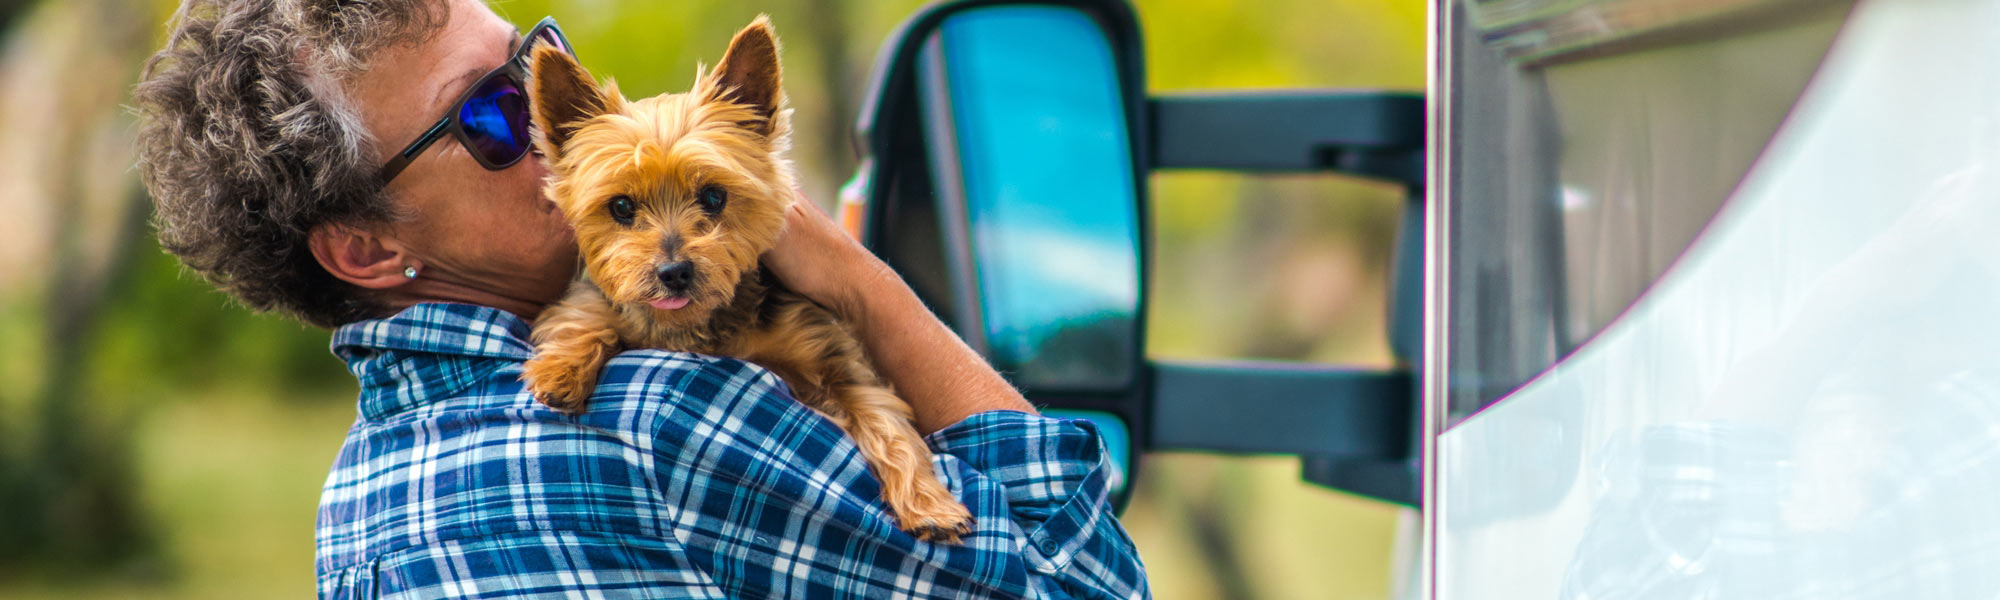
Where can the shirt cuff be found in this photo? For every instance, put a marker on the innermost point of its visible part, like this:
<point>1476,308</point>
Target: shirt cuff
<point>1053,472</point>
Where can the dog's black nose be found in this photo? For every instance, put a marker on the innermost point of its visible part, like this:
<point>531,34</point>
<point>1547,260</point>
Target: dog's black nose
<point>676,276</point>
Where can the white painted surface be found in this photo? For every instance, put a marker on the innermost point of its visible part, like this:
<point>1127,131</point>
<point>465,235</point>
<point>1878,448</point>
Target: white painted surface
<point>1808,404</point>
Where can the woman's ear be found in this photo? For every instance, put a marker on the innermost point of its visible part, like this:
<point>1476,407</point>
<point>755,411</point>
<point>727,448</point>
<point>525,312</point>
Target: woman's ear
<point>360,257</point>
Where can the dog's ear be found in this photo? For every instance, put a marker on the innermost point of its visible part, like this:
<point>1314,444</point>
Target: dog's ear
<point>563,97</point>
<point>749,74</point>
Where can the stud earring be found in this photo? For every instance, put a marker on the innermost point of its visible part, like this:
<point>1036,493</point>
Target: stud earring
<point>409,272</point>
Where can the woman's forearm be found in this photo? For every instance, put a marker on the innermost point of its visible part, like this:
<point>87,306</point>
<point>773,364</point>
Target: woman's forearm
<point>943,379</point>
<point>936,372</point>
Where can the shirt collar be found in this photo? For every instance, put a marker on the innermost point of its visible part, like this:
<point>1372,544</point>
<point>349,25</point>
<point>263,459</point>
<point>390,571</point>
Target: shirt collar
<point>428,352</point>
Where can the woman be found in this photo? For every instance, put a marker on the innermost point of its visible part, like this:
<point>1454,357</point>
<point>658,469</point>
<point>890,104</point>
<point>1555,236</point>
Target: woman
<point>267,127</point>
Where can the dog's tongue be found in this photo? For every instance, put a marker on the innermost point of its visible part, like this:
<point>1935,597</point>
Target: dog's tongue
<point>674,303</point>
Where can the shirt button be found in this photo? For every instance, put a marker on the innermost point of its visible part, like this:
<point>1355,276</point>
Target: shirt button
<point>1049,547</point>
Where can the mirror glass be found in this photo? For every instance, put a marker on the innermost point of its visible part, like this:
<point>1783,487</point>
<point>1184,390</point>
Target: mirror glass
<point>1027,126</point>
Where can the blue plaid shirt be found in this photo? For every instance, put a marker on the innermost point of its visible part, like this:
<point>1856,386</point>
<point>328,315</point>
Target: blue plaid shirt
<point>690,477</point>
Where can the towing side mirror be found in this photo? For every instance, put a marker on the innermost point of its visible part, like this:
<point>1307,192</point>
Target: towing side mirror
<point>1001,135</point>
<point>1026,132</point>
<point>1006,147</point>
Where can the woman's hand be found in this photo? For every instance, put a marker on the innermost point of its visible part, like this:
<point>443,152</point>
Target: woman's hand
<point>815,257</point>
<point>930,367</point>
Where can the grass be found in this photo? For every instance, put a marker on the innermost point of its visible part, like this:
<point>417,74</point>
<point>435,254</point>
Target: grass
<point>232,483</point>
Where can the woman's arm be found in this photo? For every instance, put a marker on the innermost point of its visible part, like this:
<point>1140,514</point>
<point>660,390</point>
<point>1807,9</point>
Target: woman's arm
<point>943,379</point>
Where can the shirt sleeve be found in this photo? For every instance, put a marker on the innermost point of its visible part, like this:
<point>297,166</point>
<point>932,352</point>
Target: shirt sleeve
<point>774,500</point>
<point>1056,481</point>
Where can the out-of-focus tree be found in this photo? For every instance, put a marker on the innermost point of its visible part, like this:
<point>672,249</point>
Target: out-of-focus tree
<point>66,493</point>
<point>9,9</point>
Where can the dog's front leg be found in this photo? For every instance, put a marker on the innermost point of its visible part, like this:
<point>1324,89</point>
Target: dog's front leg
<point>828,370</point>
<point>880,424</point>
<point>572,340</point>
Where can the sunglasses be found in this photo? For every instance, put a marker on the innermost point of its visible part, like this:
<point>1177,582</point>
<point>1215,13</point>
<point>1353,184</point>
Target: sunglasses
<point>491,117</point>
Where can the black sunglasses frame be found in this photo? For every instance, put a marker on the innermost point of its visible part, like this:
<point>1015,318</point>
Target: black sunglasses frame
<point>516,67</point>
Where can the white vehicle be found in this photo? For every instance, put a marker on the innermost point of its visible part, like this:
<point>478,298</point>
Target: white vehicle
<point>1708,299</point>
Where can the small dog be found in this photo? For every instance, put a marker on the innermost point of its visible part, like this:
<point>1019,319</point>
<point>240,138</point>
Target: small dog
<point>674,199</point>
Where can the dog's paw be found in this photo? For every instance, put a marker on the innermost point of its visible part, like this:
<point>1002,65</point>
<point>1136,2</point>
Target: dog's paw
<point>558,384</point>
<point>943,522</point>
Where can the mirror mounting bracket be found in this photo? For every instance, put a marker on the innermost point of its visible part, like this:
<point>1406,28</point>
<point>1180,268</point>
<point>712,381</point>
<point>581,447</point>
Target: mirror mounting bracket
<point>1371,134</point>
<point>1354,430</point>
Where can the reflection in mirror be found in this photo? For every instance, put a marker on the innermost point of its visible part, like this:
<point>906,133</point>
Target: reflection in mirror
<point>1028,127</point>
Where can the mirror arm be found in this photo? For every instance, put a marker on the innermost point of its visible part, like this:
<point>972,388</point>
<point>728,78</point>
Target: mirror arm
<point>1351,428</point>
<point>1387,480</point>
<point>1354,430</point>
<point>1281,408</point>
<point>1365,133</point>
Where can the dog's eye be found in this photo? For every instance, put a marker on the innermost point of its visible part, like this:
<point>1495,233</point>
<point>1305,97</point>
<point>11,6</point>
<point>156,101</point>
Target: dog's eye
<point>622,210</point>
<point>712,198</point>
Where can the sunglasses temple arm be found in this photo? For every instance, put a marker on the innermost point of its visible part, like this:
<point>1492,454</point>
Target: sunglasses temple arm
<point>410,154</point>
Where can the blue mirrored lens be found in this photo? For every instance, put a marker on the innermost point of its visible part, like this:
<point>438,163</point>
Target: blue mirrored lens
<point>495,119</point>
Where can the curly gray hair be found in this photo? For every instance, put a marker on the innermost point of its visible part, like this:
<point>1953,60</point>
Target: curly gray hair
<point>247,142</point>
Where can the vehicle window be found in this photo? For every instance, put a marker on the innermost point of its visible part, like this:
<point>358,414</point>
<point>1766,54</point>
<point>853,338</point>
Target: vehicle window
<point>1575,184</point>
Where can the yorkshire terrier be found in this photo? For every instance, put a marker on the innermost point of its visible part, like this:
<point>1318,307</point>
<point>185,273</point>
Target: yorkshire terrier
<point>674,199</point>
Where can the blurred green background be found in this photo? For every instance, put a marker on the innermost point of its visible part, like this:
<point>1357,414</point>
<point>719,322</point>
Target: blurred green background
<point>157,441</point>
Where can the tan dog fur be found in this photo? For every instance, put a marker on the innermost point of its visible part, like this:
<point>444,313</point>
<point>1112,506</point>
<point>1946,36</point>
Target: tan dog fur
<point>729,133</point>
